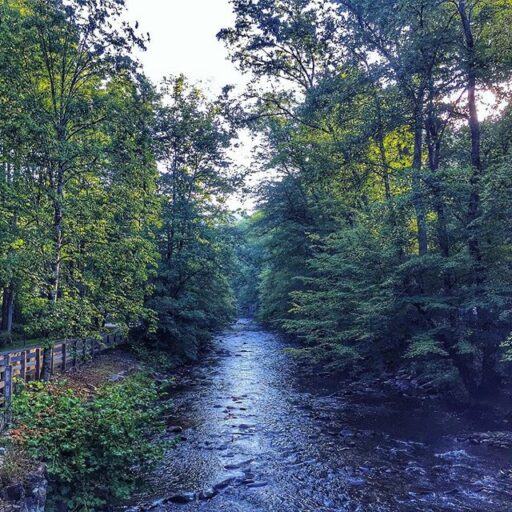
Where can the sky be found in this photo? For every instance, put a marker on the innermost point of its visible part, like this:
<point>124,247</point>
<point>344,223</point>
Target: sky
<point>183,40</point>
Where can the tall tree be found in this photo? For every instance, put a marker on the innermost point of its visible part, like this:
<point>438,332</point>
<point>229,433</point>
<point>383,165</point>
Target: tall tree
<point>76,139</point>
<point>193,294</point>
<point>393,228</point>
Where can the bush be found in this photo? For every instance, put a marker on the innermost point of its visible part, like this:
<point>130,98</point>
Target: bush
<point>94,448</point>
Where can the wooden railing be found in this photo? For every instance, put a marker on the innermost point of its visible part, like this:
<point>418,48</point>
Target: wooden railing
<point>27,363</point>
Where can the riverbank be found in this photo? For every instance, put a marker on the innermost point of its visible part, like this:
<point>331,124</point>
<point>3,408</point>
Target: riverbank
<point>256,437</point>
<point>66,431</point>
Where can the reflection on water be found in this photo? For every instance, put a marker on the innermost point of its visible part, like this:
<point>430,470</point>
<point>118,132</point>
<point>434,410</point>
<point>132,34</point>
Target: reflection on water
<point>255,439</point>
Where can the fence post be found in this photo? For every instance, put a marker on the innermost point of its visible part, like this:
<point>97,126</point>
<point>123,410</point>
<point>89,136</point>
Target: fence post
<point>64,355</point>
<point>75,349</point>
<point>37,376</point>
<point>23,366</point>
<point>7,386</point>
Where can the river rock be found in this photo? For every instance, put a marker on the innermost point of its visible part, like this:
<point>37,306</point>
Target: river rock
<point>496,439</point>
<point>255,485</point>
<point>207,494</point>
<point>229,480</point>
<point>14,492</point>
<point>26,496</point>
<point>182,498</point>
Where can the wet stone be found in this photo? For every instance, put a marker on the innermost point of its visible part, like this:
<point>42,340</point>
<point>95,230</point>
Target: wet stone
<point>257,484</point>
<point>207,494</point>
<point>238,465</point>
<point>182,498</point>
<point>226,482</point>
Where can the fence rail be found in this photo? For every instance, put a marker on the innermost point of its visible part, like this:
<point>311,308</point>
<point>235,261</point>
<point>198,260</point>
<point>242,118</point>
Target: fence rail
<point>27,363</point>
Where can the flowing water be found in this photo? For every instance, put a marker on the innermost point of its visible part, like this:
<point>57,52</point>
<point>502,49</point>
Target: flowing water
<point>256,438</point>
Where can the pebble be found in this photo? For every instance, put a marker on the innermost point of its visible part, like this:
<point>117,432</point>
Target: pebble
<point>255,485</point>
<point>207,494</point>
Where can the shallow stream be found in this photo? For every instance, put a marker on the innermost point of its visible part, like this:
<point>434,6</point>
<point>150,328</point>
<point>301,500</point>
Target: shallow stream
<point>257,438</point>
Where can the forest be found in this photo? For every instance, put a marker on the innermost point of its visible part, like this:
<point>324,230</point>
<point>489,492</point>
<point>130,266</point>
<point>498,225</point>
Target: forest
<point>92,233</point>
<point>385,241</point>
<point>381,240</point>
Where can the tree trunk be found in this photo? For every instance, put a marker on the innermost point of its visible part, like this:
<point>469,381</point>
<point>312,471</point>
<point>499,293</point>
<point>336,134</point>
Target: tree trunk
<point>418,200</point>
<point>434,148</point>
<point>475,131</point>
<point>56,263</point>
<point>47,365</point>
<point>57,241</point>
<point>490,378</point>
<point>465,372</point>
<point>7,309</point>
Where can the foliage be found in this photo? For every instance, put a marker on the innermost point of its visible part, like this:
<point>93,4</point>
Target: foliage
<point>78,173</point>
<point>16,464</point>
<point>95,449</point>
<point>248,253</point>
<point>384,242</point>
<point>193,295</point>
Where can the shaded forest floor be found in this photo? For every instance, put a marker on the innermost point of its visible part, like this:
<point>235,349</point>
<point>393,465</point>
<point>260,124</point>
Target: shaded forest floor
<point>108,367</point>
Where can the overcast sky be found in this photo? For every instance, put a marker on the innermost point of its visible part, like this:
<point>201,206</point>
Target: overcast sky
<point>183,39</point>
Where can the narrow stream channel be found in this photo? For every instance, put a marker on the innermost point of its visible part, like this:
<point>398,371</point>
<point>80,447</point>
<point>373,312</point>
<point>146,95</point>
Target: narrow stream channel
<point>257,439</point>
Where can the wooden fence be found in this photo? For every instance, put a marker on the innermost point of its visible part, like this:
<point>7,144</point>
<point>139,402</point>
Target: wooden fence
<point>27,363</point>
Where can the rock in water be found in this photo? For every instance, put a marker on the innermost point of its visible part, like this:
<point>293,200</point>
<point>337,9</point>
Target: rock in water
<point>184,497</point>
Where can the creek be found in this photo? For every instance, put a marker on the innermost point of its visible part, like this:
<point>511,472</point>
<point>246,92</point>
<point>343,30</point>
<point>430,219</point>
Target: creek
<point>258,437</point>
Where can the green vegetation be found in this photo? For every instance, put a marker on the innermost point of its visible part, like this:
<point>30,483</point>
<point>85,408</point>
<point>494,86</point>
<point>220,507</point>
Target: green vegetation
<point>382,239</point>
<point>96,448</point>
<point>77,187</point>
<point>91,234</point>
<point>192,292</point>
<point>112,215</point>
<point>385,241</point>
<point>382,236</point>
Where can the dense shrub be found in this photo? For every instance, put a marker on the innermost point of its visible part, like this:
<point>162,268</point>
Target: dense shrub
<point>94,447</point>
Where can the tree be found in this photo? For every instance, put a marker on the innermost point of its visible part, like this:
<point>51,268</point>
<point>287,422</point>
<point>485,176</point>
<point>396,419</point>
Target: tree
<point>80,168</point>
<point>193,294</point>
<point>377,245</point>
